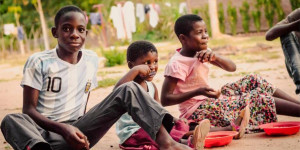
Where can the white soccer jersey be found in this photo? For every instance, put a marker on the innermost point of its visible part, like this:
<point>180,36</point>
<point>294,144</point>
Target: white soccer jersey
<point>63,87</point>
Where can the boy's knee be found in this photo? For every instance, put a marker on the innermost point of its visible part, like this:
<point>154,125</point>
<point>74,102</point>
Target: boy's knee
<point>11,118</point>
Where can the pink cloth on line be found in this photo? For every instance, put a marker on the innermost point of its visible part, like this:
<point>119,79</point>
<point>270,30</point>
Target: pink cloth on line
<point>191,74</point>
<point>140,140</point>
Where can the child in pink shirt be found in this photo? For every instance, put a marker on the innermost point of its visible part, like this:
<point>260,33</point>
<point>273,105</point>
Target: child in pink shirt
<point>187,73</point>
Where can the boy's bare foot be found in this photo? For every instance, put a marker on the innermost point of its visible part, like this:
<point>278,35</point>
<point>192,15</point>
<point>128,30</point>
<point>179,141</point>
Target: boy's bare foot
<point>241,122</point>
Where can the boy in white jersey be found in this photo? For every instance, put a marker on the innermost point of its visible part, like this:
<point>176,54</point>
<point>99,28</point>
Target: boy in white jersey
<point>56,85</point>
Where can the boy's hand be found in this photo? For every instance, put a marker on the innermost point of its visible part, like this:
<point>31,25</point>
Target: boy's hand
<point>75,138</point>
<point>209,92</point>
<point>144,70</point>
<point>206,56</point>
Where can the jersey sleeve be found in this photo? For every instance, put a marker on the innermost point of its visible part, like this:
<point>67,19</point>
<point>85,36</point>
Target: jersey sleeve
<point>32,73</point>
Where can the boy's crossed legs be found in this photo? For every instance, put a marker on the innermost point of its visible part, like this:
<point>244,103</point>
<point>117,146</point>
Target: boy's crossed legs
<point>97,121</point>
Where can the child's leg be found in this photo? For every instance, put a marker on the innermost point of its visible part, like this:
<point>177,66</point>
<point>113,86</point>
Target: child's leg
<point>21,132</point>
<point>131,98</point>
<point>284,107</point>
<point>284,96</point>
<point>291,48</point>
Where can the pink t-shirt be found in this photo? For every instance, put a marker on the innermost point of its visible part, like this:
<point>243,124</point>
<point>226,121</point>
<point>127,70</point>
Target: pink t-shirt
<point>192,74</point>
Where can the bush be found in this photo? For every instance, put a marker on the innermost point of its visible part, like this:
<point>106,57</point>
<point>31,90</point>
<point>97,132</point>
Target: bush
<point>114,57</point>
<point>244,10</point>
<point>295,4</point>
<point>256,15</point>
<point>279,10</point>
<point>204,13</point>
<point>232,15</point>
<point>256,18</point>
<point>269,11</point>
<point>221,17</point>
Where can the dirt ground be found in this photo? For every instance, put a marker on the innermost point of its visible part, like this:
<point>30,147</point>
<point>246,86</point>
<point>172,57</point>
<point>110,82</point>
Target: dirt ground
<point>272,69</point>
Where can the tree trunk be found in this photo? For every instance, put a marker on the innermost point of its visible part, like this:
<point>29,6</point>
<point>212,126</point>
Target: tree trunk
<point>214,21</point>
<point>21,43</point>
<point>43,22</point>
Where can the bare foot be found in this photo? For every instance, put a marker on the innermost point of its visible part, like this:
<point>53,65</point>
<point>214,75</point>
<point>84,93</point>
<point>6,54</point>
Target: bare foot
<point>174,146</point>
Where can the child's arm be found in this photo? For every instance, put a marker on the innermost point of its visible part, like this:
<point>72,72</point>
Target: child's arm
<point>142,70</point>
<point>156,97</point>
<point>217,60</point>
<point>168,98</point>
<point>73,136</point>
<point>281,29</point>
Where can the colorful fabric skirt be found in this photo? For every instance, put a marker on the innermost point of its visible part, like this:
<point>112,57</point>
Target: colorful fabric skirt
<point>251,90</point>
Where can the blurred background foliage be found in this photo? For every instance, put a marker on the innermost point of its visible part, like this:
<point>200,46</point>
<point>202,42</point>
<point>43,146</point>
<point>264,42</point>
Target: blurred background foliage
<point>229,15</point>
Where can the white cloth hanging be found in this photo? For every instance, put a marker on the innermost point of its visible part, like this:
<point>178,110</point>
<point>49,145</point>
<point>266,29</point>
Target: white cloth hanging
<point>182,8</point>
<point>153,15</point>
<point>129,18</point>
<point>115,16</point>
<point>9,29</point>
<point>140,12</point>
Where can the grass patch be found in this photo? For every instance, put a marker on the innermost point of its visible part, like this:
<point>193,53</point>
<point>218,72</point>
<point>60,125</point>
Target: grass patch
<point>104,73</point>
<point>108,82</point>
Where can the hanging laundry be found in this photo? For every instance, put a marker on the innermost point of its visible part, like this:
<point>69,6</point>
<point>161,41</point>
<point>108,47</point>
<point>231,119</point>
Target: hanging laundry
<point>123,18</point>
<point>95,18</point>
<point>129,16</point>
<point>140,12</point>
<point>9,29</point>
<point>168,4</point>
<point>182,8</point>
<point>116,17</point>
<point>146,8</point>
<point>153,15</point>
<point>20,33</point>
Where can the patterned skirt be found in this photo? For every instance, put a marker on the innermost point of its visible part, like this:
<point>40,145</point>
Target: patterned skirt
<point>251,90</point>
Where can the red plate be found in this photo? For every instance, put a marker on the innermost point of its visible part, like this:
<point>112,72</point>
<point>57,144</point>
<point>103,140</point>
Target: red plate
<point>219,138</point>
<point>281,128</point>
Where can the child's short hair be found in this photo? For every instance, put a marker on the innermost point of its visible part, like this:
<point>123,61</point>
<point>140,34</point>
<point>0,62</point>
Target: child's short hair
<point>184,24</point>
<point>64,10</point>
<point>138,49</point>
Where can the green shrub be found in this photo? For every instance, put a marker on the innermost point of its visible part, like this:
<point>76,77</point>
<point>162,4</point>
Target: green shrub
<point>204,13</point>
<point>114,57</point>
<point>269,11</point>
<point>279,10</point>
<point>244,10</point>
<point>256,18</point>
<point>108,82</point>
<point>295,4</point>
<point>232,16</point>
<point>256,14</point>
<point>221,17</point>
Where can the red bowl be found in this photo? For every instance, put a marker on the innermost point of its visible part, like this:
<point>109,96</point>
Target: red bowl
<point>281,128</point>
<point>220,138</point>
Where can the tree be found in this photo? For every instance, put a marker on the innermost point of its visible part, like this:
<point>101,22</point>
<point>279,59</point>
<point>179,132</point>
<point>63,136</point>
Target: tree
<point>214,22</point>
<point>38,6</point>
<point>16,10</point>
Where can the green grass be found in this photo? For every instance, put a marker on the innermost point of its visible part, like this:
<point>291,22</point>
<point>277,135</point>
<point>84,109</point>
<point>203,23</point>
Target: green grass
<point>104,73</point>
<point>108,82</point>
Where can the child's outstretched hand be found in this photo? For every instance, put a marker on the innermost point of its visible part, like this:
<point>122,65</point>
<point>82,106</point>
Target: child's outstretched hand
<point>209,92</point>
<point>206,56</point>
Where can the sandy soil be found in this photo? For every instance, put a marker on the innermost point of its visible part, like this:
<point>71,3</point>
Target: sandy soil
<point>273,70</point>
